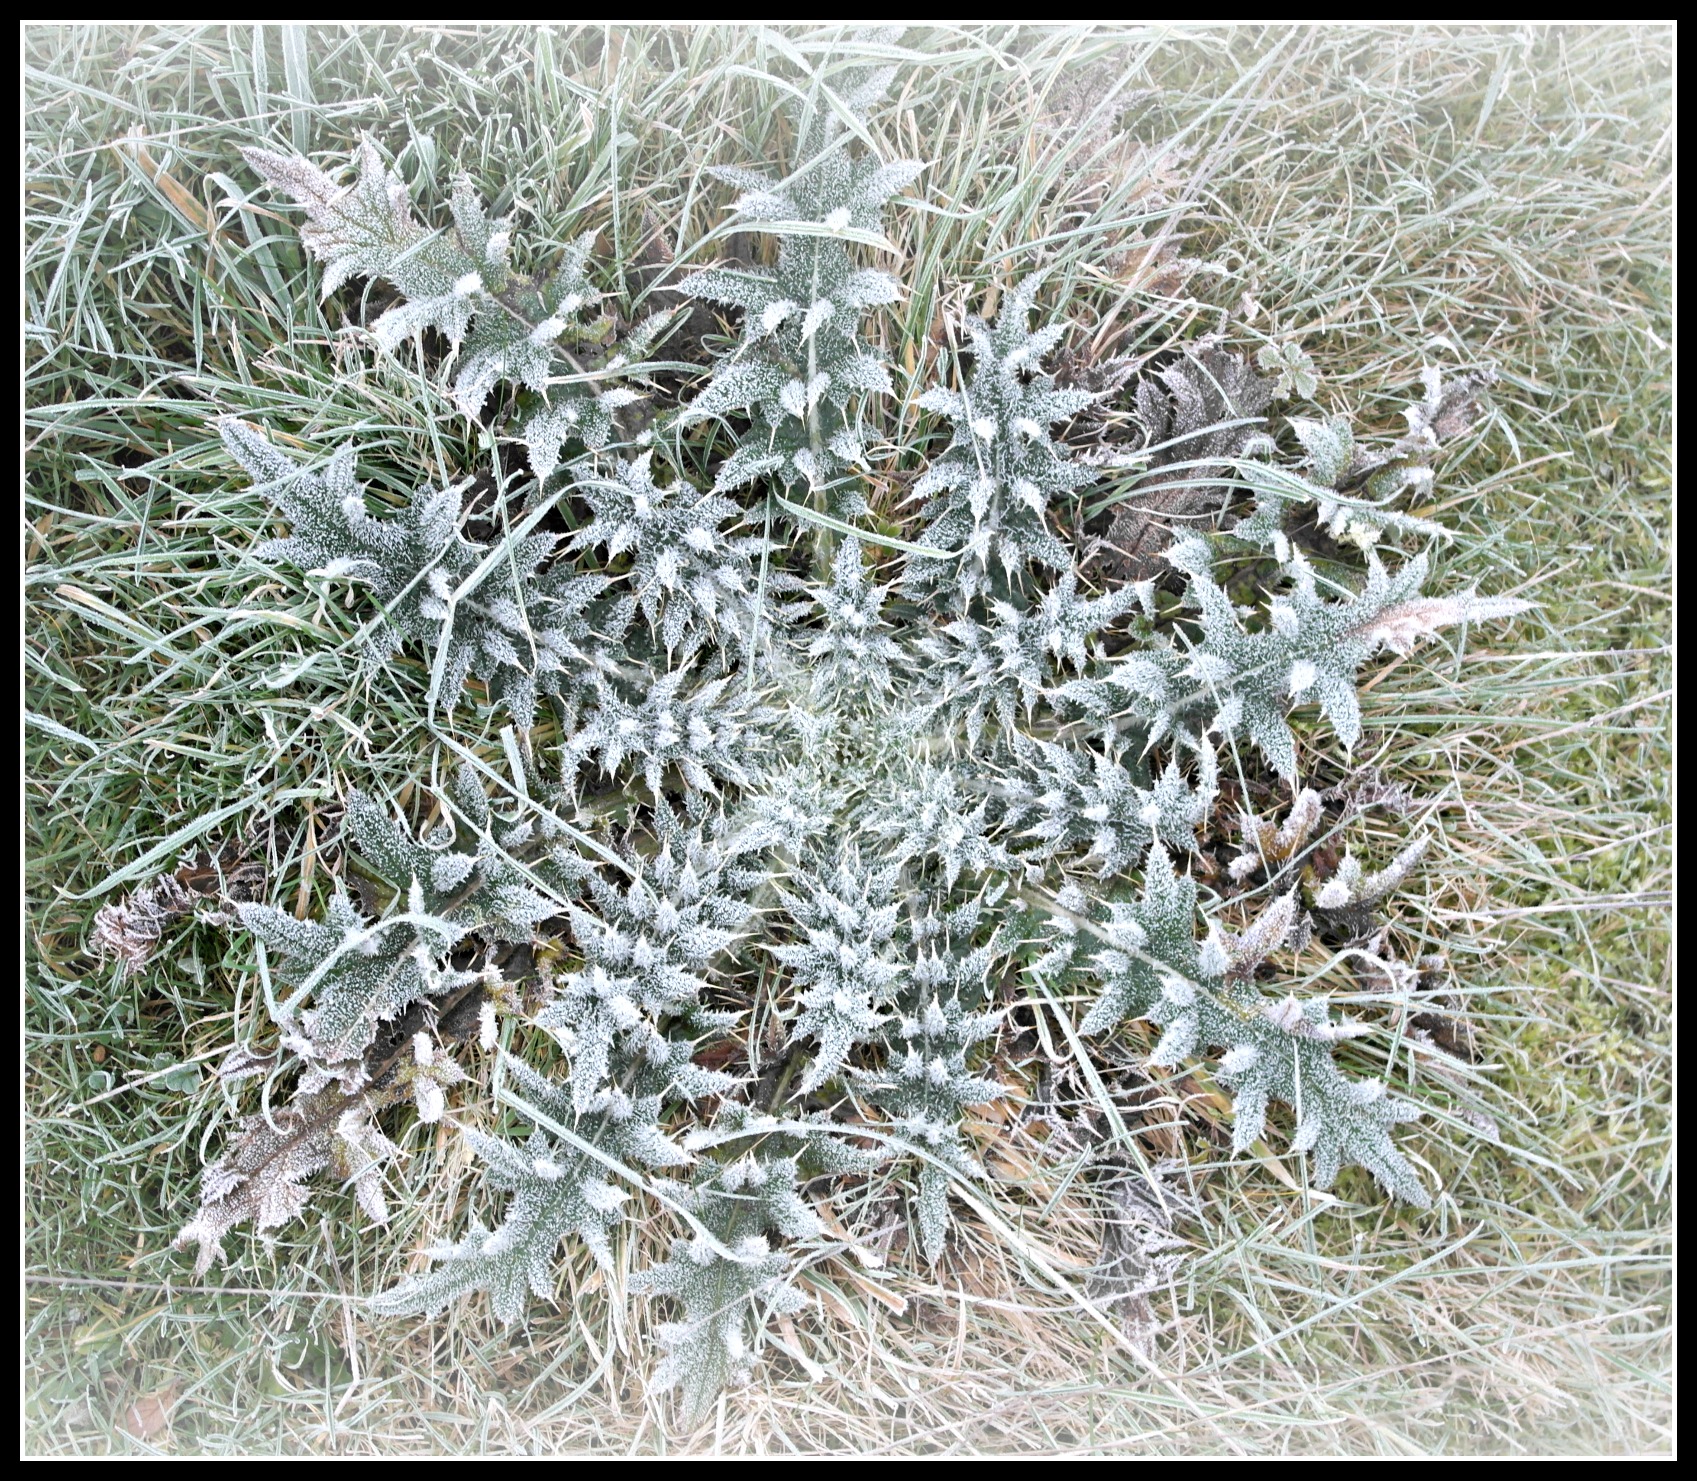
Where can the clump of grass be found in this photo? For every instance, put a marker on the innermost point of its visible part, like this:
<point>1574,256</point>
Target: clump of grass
<point>1377,197</point>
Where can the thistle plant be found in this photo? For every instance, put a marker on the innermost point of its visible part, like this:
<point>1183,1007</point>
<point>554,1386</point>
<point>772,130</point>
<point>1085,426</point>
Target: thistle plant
<point>780,849</point>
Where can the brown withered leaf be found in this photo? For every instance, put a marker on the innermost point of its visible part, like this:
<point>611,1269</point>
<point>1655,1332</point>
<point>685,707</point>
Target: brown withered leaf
<point>1139,1252</point>
<point>150,1416</point>
<point>1185,409</point>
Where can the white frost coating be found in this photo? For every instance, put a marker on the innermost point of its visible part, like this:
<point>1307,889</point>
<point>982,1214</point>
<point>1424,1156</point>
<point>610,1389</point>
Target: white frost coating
<point>1212,960</point>
<point>1333,895</point>
<point>430,1100</point>
<point>1238,1059</point>
<point>818,312</point>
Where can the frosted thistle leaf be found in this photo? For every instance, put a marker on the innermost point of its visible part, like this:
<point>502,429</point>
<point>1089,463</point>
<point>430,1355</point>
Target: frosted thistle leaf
<point>990,490</point>
<point>1311,646</point>
<point>799,421</point>
<point>691,579</point>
